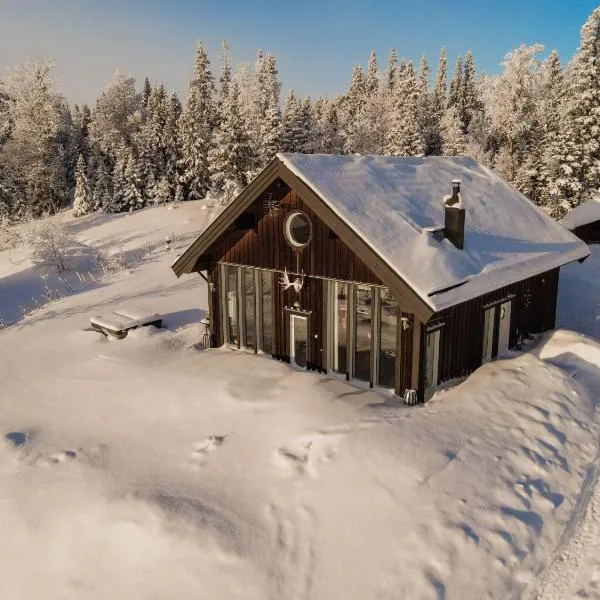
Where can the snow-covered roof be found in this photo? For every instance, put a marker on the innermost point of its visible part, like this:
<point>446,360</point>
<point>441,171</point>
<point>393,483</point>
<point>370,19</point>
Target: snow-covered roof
<point>395,202</point>
<point>588,212</point>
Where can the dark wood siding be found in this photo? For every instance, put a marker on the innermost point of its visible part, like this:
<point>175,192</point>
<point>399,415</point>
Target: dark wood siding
<point>589,233</point>
<point>265,246</point>
<point>533,310</point>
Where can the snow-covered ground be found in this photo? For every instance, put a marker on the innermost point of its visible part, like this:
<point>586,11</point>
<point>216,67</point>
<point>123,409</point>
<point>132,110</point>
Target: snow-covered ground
<point>148,468</point>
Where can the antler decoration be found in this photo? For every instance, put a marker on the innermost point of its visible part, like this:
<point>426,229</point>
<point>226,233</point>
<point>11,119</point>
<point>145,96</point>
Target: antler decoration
<point>297,283</point>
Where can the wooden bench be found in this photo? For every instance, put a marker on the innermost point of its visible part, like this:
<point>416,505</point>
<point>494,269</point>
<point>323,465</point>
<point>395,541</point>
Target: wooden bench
<point>118,323</point>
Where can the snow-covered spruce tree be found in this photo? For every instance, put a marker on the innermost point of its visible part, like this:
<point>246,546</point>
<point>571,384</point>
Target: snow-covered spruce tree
<point>428,123</point>
<point>79,137</point>
<point>133,190</point>
<point>146,92</point>
<point>82,202</point>
<point>36,149</point>
<point>453,139</point>
<point>331,140</point>
<point>230,157</point>
<point>197,124</point>
<point>551,98</point>
<point>118,201</point>
<point>392,69</point>
<point>308,128</point>
<point>468,100</point>
<point>456,84</point>
<point>292,135</point>
<point>270,132</point>
<point>404,137</point>
<point>151,142</point>
<point>439,101</point>
<point>372,75</point>
<point>101,195</point>
<point>579,140</point>
<point>355,120</point>
<point>171,145</point>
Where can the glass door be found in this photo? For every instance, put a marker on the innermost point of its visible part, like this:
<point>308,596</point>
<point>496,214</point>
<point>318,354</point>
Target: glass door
<point>488,334</point>
<point>504,328</point>
<point>362,333</point>
<point>298,340</point>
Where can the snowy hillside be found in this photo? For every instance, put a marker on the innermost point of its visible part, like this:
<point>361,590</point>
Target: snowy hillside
<point>149,468</point>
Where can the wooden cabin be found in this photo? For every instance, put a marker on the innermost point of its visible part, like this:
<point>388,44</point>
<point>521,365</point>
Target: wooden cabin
<point>584,221</point>
<point>393,272</point>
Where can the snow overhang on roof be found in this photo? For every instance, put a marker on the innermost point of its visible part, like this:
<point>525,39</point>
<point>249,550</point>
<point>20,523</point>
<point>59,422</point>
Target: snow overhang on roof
<point>394,203</point>
<point>392,209</point>
<point>584,214</point>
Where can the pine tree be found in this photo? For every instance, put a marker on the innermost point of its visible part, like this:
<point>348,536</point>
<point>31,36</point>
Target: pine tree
<point>146,92</point>
<point>429,125</point>
<point>372,76</point>
<point>456,84</point>
<point>197,124</point>
<point>331,140</point>
<point>307,127</point>
<point>82,203</point>
<point>550,105</point>
<point>172,146</point>
<point>356,126</point>
<point>440,92</point>
<point>231,154</point>
<point>404,137</point>
<point>118,200</point>
<point>579,147</point>
<point>101,196</point>
<point>271,125</point>
<point>133,197</point>
<point>453,139</point>
<point>292,136</point>
<point>151,141</point>
<point>392,69</point>
<point>468,101</point>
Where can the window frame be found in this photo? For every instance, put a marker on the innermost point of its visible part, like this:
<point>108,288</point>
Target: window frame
<point>287,230</point>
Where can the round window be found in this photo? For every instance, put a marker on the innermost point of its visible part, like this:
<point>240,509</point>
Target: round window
<point>298,229</point>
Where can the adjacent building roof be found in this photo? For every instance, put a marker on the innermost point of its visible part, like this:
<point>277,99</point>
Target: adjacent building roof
<point>584,214</point>
<point>395,203</point>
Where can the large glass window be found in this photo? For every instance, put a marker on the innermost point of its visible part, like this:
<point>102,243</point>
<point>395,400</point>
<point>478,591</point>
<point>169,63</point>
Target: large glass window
<point>249,308</point>
<point>266,286</point>
<point>362,333</point>
<point>388,326</point>
<point>231,306</point>
<point>340,327</point>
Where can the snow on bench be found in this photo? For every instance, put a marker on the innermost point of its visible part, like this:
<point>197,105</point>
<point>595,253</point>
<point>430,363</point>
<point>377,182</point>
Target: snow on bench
<point>118,323</point>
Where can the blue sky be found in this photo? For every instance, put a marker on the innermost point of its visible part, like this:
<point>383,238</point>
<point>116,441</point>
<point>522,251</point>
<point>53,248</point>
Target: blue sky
<point>316,43</point>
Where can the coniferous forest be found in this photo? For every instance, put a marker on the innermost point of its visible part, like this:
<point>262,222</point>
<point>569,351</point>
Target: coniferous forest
<point>537,124</point>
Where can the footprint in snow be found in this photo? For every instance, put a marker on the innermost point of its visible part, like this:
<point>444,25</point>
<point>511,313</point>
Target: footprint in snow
<point>201,449</point>
<point>304,454</point>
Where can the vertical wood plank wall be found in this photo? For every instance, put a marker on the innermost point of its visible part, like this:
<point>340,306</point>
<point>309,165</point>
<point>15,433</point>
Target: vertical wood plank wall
<point>533,310</point>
